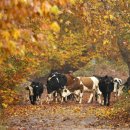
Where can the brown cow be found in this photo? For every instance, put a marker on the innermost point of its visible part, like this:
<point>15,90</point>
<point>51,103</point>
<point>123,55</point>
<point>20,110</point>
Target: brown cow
<point>82,84</point>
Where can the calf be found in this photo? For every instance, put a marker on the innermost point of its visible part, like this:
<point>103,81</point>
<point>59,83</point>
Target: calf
<point>35,92</point>
<point>82,84</point>
<point>106,86</point>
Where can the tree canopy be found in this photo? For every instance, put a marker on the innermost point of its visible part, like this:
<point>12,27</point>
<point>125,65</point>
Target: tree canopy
<point>39,35</point>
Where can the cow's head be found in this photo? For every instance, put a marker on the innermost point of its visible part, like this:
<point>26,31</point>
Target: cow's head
<point>65,92</point>
<point>31,94</point>
<point>33,91</point>
<point>35,86</point>
<point>108,82</point>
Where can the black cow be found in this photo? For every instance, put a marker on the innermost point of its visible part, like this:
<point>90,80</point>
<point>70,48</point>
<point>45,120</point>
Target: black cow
<point>106,86</point>
<point>55,83</point>
<point>35,91</point>
<point>127,84</point>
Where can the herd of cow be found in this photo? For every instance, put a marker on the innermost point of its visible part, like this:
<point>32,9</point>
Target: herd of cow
<point>63,87</point>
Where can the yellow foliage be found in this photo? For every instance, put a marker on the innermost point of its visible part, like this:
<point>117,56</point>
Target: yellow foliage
<point>55,10</point>
<point>12,46</point>
<point>106,17</point>
<point>55,27</point>
<point>1,16</point>
<point>23,1</point>
<point>106,41</point>
<point>4,105</point>
<point>72,1</point>
<point>111,17</point>
<point>22,50</point>
<point>16,34</point>
<point>6,35</point>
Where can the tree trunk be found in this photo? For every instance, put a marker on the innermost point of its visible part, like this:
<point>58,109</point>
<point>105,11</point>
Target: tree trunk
<point>124,51</point>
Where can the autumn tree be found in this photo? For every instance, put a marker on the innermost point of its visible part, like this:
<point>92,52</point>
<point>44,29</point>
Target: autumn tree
<point>36,36</point>
<point>107,25</point>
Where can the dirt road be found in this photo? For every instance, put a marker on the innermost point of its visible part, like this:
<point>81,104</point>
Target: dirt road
<point>66,116</point>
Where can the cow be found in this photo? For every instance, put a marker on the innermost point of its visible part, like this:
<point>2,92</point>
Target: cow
<point>35,91</point>
<point>106,86</point>
<point>70,80</point>
<point>124,87</point>
<point>117,85</point>
<point>81,85</point>
<point>127,84</point>
<point>55,83</point>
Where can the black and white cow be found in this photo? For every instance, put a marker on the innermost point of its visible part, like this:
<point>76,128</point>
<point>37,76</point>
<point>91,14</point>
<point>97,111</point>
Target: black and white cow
<point>117,85</point>
<point>106,86</point>
<point>124,87</point>
<point>35,91</point>
<point>55,83</point>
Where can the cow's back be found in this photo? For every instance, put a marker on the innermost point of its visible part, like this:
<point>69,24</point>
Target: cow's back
<point>55,82</point>
<point>75,85</point>
<point>86,81</point>
<point>82,83</point>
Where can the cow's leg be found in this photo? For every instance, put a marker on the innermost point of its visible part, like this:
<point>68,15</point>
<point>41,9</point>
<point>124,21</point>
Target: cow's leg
<point>90,98</point>
<point>99,98</point>
<point>49,98</point>
<point>94,96</point>
<point>80,97</point>
<point>108,98</point>
<point>115,95</point>
<point>62,99</point>
<point>66,99</point>
<point>105,98</point>
<point>56,97</point>
<point>99,95</point>
<point>32,99</point>
<point>40,99</point>
<point>76,98</point>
